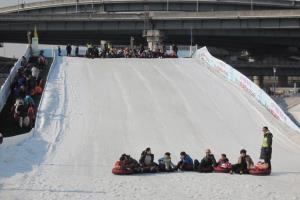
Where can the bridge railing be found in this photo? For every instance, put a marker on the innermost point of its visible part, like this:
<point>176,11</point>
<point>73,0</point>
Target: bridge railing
<point>59,3</point>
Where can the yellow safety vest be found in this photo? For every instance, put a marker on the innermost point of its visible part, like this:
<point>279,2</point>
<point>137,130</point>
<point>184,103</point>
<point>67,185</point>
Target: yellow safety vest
<point>265,142</point>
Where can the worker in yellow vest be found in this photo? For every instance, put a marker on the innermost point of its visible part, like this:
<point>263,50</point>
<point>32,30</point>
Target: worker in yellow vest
<point>266,148</point>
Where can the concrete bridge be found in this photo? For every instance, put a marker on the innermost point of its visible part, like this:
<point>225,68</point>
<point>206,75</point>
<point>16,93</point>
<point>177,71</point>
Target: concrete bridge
<point>259,27</point>
<point>71,6</point>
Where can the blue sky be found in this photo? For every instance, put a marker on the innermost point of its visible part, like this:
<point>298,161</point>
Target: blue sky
<point>15,2</point>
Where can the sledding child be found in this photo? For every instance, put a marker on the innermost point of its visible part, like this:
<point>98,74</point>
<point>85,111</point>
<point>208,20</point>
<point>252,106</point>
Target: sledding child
<point>245,163</point>
<point>127,162</point>
<point>207,163</point>
<point>185,163</point>
<point>147,161</point>
<point>165,163</point>
<point>223,160</point>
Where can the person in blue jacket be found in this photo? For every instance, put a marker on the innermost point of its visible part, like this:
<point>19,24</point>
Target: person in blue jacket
<point>185,163</point>
<point>28,100</point>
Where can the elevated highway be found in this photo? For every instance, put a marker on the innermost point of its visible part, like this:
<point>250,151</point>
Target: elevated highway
<point>241,27</point>
<point>70,6</point>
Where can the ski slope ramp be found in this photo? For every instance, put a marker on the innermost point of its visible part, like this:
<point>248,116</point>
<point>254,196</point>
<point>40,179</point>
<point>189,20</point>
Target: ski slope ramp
<point>93,110</point>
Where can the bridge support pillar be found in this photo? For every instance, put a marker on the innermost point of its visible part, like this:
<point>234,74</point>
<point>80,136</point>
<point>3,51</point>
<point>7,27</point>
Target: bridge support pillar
<point>282,81</point>
<point>154,39</point>
<point>258,80</point>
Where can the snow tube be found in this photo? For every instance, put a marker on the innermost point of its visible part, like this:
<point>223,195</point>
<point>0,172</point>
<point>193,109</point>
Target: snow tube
<point>117,170</point>
<point>206,170</point>
<point>224,168</point>
<point>260,172</point>
<point>261,169</point>
<point>150,169</point>
<point>186,167</point>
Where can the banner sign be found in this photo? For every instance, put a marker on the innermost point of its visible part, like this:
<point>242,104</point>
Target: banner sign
<point>229,73</point>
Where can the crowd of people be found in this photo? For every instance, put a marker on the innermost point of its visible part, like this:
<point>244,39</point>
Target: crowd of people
<point>207,164</point>
<point>93,51</point>
<point>26,85</point>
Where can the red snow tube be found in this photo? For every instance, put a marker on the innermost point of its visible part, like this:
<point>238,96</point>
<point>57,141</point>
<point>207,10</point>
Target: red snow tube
<point>224,168</point>
<point>117,170</point>
<point>260,169</point>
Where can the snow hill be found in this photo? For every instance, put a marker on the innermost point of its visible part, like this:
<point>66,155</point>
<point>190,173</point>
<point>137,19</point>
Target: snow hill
<point>93,110</point>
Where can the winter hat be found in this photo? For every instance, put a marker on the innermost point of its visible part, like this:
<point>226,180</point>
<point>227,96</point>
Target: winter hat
<point>243,151</point>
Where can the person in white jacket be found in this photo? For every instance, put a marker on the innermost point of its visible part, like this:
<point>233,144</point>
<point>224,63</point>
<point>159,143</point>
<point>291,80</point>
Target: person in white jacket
<point>35,72</point>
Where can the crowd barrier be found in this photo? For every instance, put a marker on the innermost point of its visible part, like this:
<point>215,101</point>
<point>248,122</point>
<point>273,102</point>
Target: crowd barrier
<point>231,74</point>
<point>15,140</point>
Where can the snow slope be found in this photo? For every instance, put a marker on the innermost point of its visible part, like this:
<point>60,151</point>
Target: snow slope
<point>94,110</point>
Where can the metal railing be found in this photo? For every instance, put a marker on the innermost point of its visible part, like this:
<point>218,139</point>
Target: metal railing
<point>59,3</point>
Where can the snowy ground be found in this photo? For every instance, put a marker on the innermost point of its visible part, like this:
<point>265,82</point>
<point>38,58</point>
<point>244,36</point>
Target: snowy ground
<point>94,110</point>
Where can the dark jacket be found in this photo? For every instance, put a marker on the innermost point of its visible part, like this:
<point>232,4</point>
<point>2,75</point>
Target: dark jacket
<point>266,149</point>
<point>187,160</point>
<point>143,156</point>
<point>247,161</point>
<point>209,160</point>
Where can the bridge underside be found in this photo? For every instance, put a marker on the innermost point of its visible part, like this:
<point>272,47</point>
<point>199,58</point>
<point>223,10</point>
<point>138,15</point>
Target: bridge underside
<point>229,38</point>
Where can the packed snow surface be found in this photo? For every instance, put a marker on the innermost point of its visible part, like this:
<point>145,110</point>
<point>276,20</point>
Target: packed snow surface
<point>93,110</point>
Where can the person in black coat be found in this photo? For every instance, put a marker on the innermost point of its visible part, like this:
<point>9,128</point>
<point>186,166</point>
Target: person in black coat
<point>207,163</point>
<point>147,161</point>
<point>1,138</point>
<point>69,50</point>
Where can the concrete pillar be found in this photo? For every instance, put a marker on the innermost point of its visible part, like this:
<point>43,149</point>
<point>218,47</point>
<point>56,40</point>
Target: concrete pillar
<point>258,80</point>
<point>282,81</point>
<point>154,39</point>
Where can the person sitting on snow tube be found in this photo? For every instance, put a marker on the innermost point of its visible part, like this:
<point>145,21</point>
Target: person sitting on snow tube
<point>261,169</point>
<point>244,164</point>
<point>207,163</point>
<point>185,163</point>
<point>125,165</point>
<point>131,163</point>
<point>165,163</point>
<point>147,161</point>
<point>223,164</point>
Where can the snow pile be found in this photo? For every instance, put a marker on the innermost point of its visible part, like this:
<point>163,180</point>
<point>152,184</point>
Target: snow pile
<point>94,110</point>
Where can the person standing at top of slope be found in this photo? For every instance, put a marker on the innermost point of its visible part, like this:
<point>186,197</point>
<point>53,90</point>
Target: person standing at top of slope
<point>1,138</point>
<point>266,148</point>
<point>207,163</point>
<point>59,51</point>
<point>69,50</point>
<point>185,163</point>
<point>245,163</point>
<point>147,161</point>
